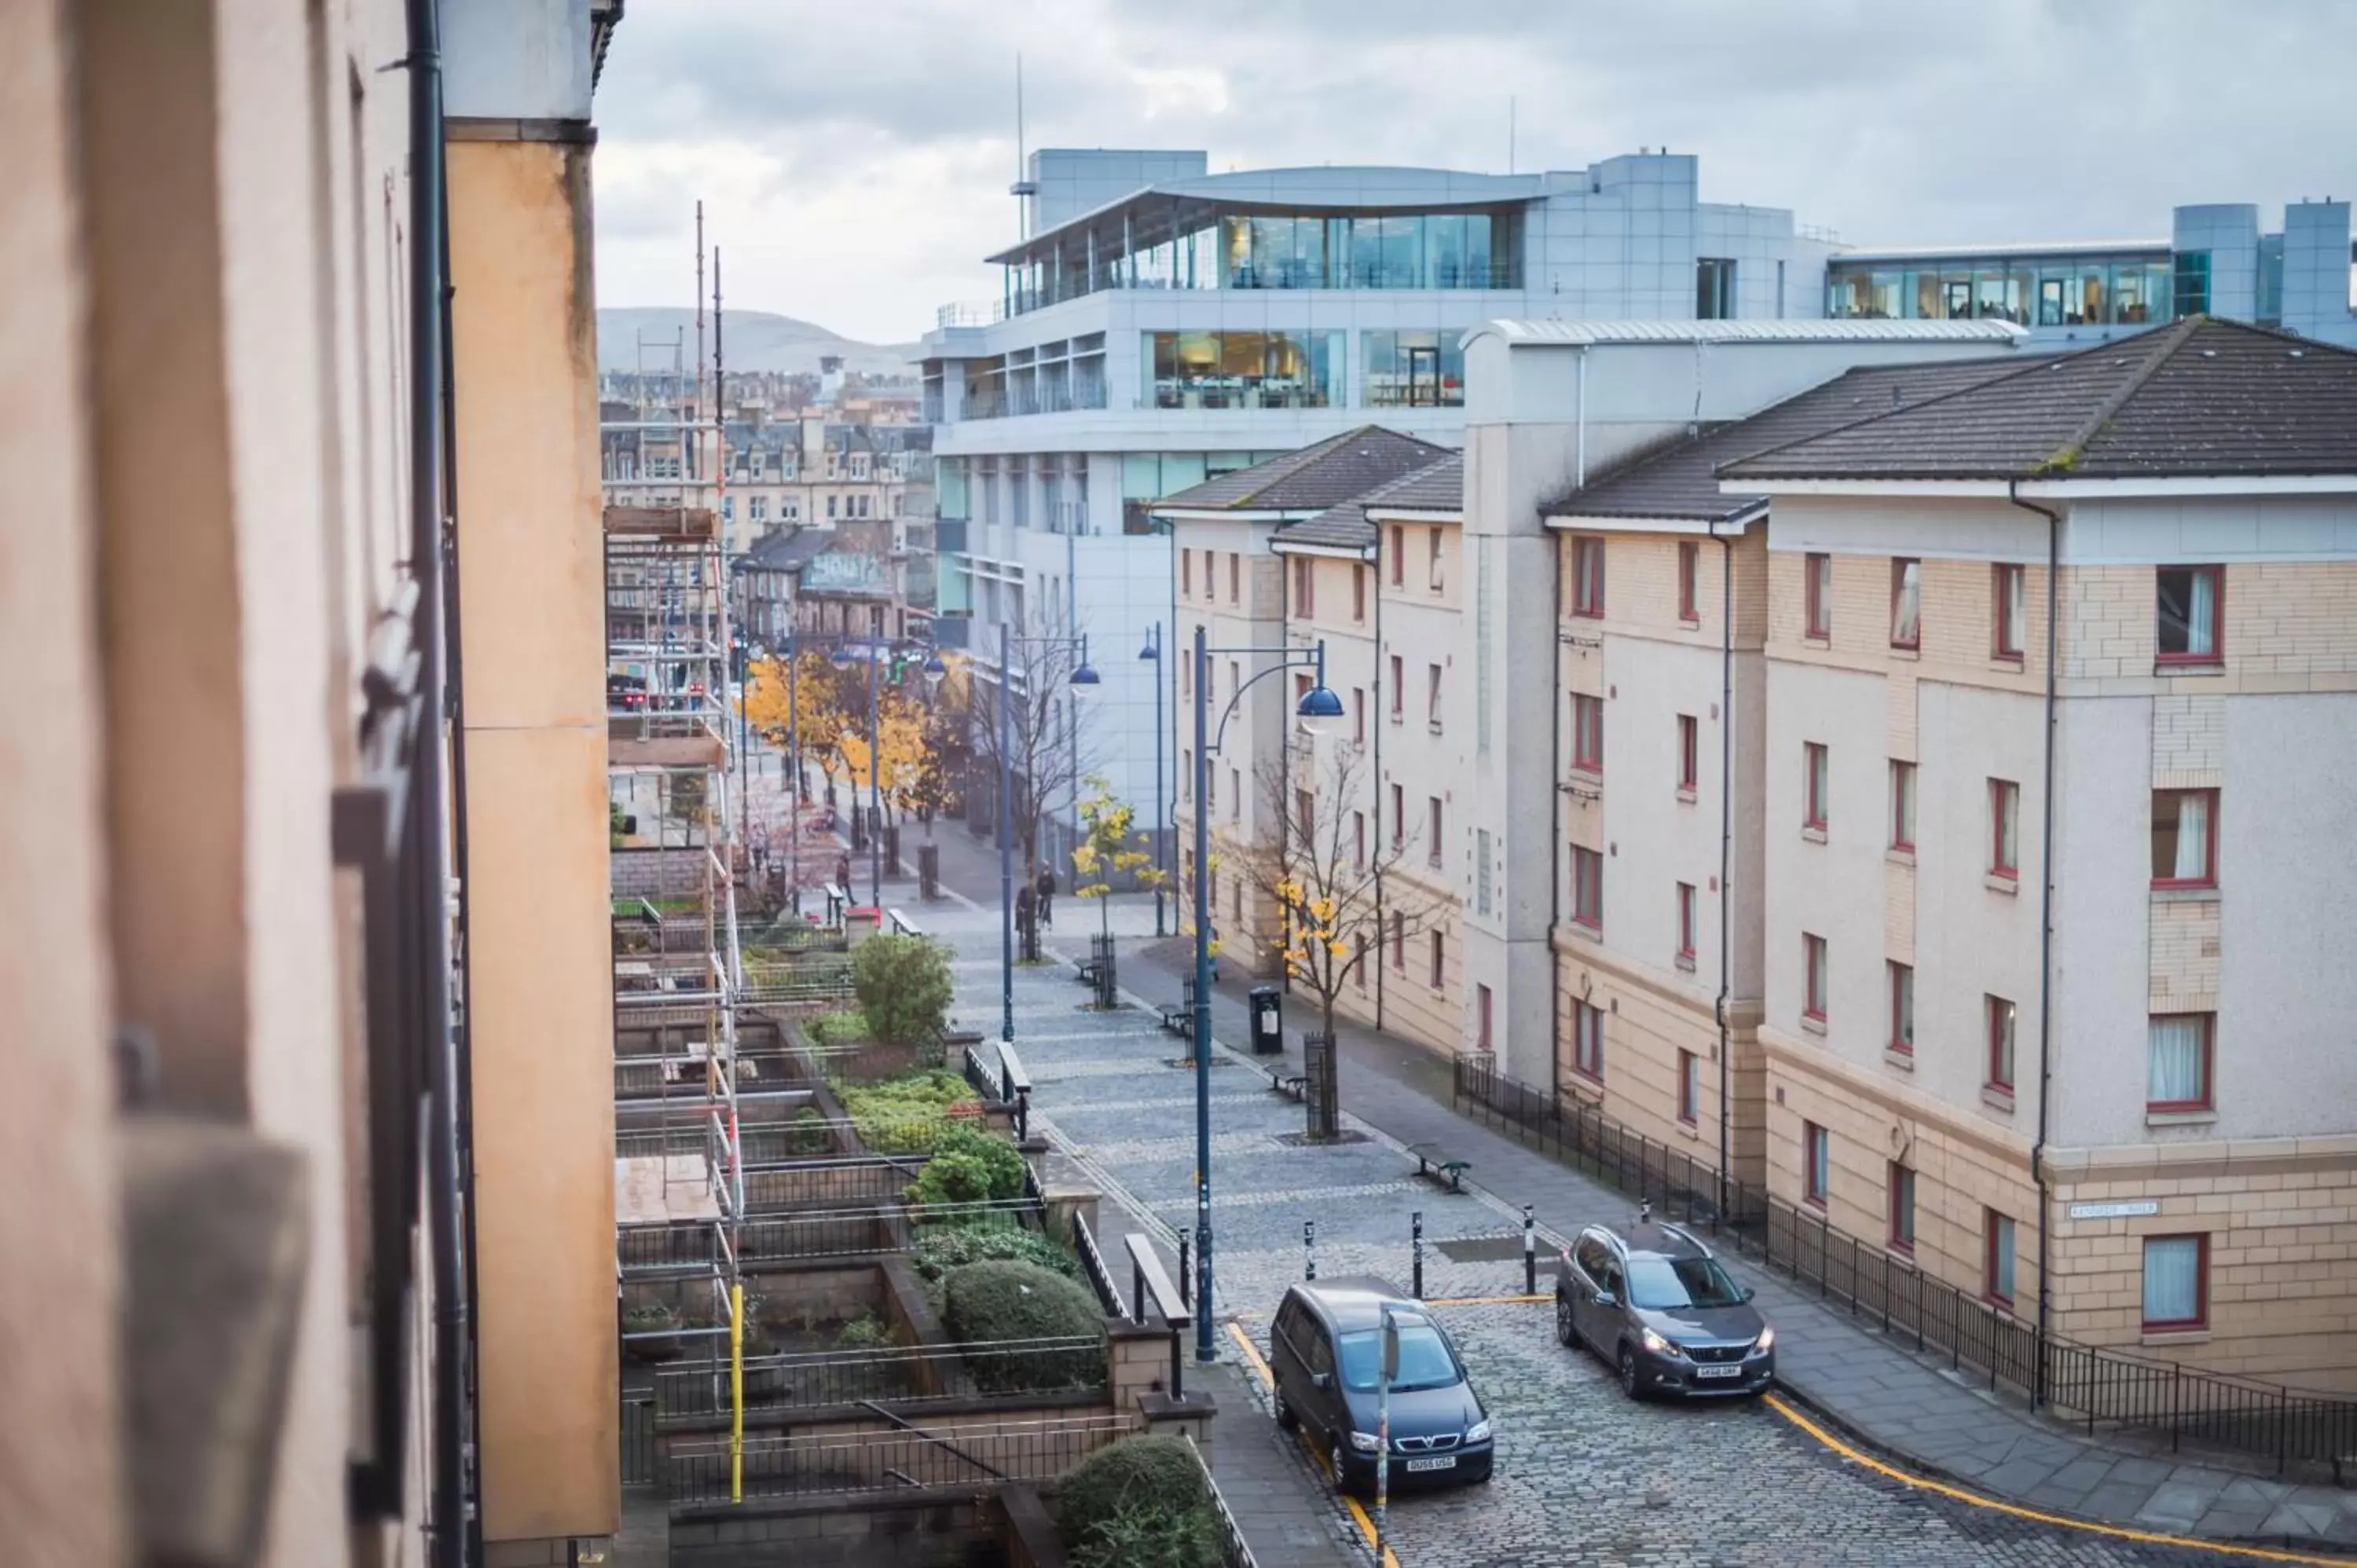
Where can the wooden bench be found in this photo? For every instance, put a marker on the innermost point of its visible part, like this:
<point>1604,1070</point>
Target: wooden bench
<point>1181,1019</point>
<point>1432,1167</point>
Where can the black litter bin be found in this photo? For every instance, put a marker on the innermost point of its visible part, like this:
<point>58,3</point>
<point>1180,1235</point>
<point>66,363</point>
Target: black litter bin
<point>1267,1020</point>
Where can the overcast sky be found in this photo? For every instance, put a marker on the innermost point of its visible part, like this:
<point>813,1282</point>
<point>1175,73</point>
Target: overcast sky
<point>854,158</point>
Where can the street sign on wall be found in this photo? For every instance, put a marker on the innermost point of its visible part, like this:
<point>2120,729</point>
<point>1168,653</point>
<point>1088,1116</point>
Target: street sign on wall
<point>2133,1208</point>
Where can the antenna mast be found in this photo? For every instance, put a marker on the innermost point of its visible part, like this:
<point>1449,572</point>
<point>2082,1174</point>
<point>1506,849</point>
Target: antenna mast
<point>1510,136</point>
<point>1024,187</point>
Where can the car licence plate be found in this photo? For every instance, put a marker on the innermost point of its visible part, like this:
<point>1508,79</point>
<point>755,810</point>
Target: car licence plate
<point>1719,1372</point>
<point>1447,1462</point>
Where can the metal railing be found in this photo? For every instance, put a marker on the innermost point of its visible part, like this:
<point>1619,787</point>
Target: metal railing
<point>905,1377</point>
<point>1234,1550</point>
<point>2087,1384</point>
<point>638,1452</point>
<point>670,1247</point>
<point>970,1457</point>
<point>1093,1271</point>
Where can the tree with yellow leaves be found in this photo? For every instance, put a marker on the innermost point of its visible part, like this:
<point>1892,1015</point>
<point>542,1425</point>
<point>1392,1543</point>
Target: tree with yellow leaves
<point>808,704</point>
<point>1107,850</point>
<point>1333,875</point>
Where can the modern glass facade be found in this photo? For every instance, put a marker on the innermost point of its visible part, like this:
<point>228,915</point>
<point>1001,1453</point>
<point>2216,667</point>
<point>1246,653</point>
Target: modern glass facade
<point>1243,369</point>
<point>1412,368</point>
<point>1202,248</point>
<point>2029,291</point>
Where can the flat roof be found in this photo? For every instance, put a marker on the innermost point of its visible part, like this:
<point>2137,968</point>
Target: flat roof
<point>1964,253</point>
<point>1793,330</point>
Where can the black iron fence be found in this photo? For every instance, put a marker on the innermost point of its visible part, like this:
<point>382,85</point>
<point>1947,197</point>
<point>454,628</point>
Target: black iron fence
<point>2085,1383</point>
<point>902,1377</point>
<point>1092,1268</point>
<point>665,1248</point>
<point>638,1460</point>
<point>970,1457</point>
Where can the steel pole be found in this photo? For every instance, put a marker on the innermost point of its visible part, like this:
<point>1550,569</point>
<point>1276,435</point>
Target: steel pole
<point>1160,674</point>
<point>875,799</point>
<point>1202,1006</point>
<point>794,761</point>
<point>1005,848</point>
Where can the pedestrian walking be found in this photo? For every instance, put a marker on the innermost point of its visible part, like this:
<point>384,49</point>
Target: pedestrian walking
<point>843,870</point>
<point>1047,896</point>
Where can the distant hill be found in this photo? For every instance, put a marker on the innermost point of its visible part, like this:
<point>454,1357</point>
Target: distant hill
<point>757,341</point>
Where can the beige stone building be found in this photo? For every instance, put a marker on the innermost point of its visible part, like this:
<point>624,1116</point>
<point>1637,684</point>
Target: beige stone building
<point>268,933</point>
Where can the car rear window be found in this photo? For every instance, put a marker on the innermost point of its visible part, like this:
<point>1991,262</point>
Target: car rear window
<point>1665,1284</point>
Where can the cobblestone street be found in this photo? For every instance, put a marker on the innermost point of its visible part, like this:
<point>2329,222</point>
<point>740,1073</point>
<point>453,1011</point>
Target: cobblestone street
<point>1584,1477</point>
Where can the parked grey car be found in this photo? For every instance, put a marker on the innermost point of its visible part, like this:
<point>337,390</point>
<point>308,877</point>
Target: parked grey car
<point>1657,1306</point>
<point>1324,1353</point>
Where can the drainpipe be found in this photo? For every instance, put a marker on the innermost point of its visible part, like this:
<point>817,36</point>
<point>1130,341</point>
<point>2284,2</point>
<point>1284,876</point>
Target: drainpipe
<point>1556,874</point>
<point>1378,724</point>
<point>427,522</point>
<point>1725,853</point>
<point>2045,930</point>
<point>1579,476</point>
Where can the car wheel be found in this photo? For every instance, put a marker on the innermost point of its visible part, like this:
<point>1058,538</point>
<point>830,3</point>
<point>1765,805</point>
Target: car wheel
<point>1629,1373</point>
<point>1564,1329</point>
<point>1287,1417</point>
<point>1334,1452</point>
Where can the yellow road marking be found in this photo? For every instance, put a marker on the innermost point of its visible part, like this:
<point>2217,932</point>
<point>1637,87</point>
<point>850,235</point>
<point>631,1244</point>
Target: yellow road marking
<point>1268,1379</point>
<point>1486,1299</point>
<point>1921,1482</point>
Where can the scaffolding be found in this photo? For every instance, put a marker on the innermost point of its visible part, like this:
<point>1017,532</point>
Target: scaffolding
<point>678,968</point>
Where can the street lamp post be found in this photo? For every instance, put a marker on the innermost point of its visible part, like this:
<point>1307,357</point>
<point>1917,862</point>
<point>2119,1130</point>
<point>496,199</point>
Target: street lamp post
<point>1316,704</point>
<point>1082,675</point>
<point>1153,651</point>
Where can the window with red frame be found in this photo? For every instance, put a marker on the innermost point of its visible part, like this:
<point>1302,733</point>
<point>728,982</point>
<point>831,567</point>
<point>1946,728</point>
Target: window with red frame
<point>1399,816</point>
<point>1359,841</point>
<point>2179,1056</point>
<point>1357,716</point>
<point>1399,556</point>
<point>2008,609</point>
<point>1587,733</point>
<point>1689,576</point>
<point>1358,593</point>
<point>1689,752</point>
<point>1432,813</point>
<point>1686,921</point>
<point>1304,586</point>
<point>2185,838</point>
<point>1187,573</point>
<point>1235,578</point>
<point>1399,688</point>
<point>2176,1283</point>
<point>1903,1009</point>
<point>1432,699</point>
<point>1906,603</point>
<point>1817,596</point>
<point>1689,1087</point>
<point>1902,805</point>
<point>1439,961</point>
<point>2005,828</point>
<point>1997,1260</point>
<point>1481,1012</point>
<point>1399,942</point>
<point>1588,1040</point>
<point>1816,785</point>
<point>1816,1163</point>
<point>1432,574</point>
<point>2189,602</point>
<point>1902,1208</point>
<point>1812,978</point>
<point>1588,888</point>
<point>1587,577</point>
<point>2001,1019</point>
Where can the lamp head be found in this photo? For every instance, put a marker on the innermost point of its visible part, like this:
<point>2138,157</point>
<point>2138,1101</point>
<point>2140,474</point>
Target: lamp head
<point>1084,674</point>
<point>840,657</point>
<point>934,668</point>
<point>1317,706</point>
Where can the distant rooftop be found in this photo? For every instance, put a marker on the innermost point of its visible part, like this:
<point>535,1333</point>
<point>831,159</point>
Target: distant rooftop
<point>1437,487</point>
<point>1326,474</point>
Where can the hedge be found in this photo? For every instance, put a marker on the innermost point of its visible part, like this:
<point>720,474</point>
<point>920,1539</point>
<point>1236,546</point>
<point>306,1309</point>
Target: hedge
<point>1138,1503</point>
<point>969,1166</point>
<point>941,1248</point>
<point>1001,1301</point>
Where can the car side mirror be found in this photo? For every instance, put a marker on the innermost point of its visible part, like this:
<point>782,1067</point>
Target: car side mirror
<point>1606,1298</point>
<point>1748,1293</point>
<point>1321,1381</point>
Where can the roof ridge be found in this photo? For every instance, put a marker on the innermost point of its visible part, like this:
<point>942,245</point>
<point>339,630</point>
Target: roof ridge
<point>1306,455</point>
<point>2162,348</point>
<point>1847,425</point>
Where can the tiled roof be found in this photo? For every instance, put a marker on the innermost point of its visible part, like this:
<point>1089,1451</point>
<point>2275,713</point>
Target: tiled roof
<point>1679,478</point>
<point>786,548</point>
<point>1337,470</point>
<point>1438,486</point>
<point>2202,398</point>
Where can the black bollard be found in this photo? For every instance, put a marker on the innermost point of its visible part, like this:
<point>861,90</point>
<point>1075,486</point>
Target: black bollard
<point>1530,1253</point>
<point>1416,1220</point>
<point>1309,1249</point>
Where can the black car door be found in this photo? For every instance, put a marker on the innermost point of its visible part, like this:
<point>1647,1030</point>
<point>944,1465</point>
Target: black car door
<point>1323,1406</point>
<point>1589,1260</point>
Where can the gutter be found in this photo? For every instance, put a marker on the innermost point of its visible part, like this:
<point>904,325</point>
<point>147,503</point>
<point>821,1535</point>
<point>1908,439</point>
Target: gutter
<point>1725,853</point>
<point>1556,874</point>
<point>1377,724</point>
<point>2045,935</point>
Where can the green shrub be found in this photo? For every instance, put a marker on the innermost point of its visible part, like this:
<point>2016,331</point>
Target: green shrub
<point>909,1114</point>
<point>866,1332</point>
<point>809,1136</point>
<point>1142,1501</point>
<point>844,1026</point>
<point>1142,1535</point>
<point>969,1166</point>
<point>903,986</point>
<point>941,1248</point>
<point>999,1301</point>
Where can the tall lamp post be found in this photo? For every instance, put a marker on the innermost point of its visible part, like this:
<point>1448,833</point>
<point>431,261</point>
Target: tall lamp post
<point>1082,675</point>
<point>1152,652</point>
<point>1318,704</point>
<point>841,660</point>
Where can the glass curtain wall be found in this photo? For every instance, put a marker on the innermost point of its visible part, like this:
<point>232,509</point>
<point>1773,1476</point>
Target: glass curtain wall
<point>1243,370</point>
<point>1412,368</point>
<point>2027,291</point>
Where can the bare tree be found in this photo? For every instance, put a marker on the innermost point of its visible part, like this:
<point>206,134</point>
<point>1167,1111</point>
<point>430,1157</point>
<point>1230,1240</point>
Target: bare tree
<point>1049,749</point>
<point>1331,872</point>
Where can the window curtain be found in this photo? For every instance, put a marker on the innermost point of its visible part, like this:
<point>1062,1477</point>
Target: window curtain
<point>2192,838</point>
<point>2202,615</point>
<point>2172,1279</point>
<point>2175,1061</point>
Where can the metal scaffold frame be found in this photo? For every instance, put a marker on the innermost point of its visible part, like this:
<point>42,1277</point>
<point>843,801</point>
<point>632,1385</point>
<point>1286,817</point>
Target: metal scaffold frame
<point>668,680</point>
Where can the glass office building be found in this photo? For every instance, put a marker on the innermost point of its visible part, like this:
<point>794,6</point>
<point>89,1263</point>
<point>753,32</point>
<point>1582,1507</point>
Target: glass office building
<point>2060,289</point>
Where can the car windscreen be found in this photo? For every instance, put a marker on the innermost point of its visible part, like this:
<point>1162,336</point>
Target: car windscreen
<point>1666,1284</point>
<point>1424,1359</point>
